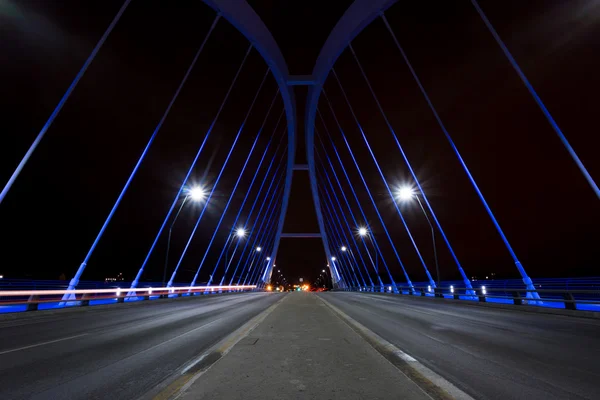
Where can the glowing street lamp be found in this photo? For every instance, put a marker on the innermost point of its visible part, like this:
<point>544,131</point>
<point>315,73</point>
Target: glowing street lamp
<point>268,258</point>
<point>241,232</point>
<point>197,193</point>
<point>344,248</point>
<point>333,259</point>
<point>405,193</point>
<point>362,231</point>
<point>259,249</point>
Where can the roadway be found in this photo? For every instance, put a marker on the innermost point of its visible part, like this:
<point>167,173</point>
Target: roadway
<point>114,352</point>
<point>488,353</point>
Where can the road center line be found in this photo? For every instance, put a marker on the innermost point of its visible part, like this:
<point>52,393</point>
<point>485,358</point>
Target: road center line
<point>41,344</point>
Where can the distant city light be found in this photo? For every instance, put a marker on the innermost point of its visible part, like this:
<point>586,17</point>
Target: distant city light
<point>483,290</point>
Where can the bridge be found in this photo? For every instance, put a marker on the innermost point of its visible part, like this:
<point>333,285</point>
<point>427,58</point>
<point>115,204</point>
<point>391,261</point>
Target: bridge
<point>195,276</point>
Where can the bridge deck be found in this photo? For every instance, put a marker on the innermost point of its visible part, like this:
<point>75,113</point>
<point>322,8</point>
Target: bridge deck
<point>302,350</point>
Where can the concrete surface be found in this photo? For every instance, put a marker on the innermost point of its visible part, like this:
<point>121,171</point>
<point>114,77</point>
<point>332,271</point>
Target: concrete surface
<point>488,353</point>
<point>117,352</point>
<point>303,351</point>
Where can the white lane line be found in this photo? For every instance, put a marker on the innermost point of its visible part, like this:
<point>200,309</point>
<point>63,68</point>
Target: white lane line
<point>41,344</point>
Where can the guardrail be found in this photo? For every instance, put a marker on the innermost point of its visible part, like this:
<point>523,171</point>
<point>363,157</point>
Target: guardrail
<point>564,298</point>
<point>32,300</point>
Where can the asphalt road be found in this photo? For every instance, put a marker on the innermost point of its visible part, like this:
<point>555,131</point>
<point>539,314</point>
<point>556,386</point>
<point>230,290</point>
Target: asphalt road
<point>489,353</point>
<point>116,352</point>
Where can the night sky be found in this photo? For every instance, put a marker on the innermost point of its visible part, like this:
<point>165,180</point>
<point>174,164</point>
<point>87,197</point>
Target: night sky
<point>58,204</point>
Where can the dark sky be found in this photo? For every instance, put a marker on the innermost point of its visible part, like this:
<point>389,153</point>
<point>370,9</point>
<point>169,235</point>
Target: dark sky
<point>61,199</point>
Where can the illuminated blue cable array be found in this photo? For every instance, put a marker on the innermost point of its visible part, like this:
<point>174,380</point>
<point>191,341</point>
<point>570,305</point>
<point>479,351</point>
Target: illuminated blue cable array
<point>340,208</point>
<point>521,269</point>
<point>231,196</point>
<point>370,197</point>
<point>412,172</point>
<point>170,283</point>
<point>73,283</point>
<point>190,170</point>
<point>248,218</point>
<point>412,240</point>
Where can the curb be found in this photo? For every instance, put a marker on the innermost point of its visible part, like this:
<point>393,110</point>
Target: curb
<point>197,367</point>
<point>430,382</point>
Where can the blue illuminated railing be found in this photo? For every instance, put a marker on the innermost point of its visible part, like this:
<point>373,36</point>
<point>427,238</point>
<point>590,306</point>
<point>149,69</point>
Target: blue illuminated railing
<point>25,295</point>
<point>560,293</point>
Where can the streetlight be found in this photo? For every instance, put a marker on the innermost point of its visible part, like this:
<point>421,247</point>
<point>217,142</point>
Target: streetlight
<point>333,258</point>
<point>268,258</point>
<point>240,233</point>
<point>259,249</point>
<point>406,194</point>
<point>196,194</point>
<point>364,232</point>
<point>344,248</point>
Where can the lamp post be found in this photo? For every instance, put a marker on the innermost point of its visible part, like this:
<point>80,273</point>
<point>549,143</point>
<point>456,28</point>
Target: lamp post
<point>405,194</point>
<point>240,233</point>
<point>364,232</point>
<point>196,194</point>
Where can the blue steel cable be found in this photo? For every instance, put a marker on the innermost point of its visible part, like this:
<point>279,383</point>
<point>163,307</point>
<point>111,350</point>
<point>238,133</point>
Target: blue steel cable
<point>219,177</point>
<point>524,276</point>
<point>256,201</point>
<point>538,100</point>
<point>275,179</point>
<point>376,246</point>
<point>270,240</point>
<point>352,279</point>
<point>331,206</point>
<point>412,172</point>
<point>244,202</point>
<point>262,233</point>
<point>344,215</point>
<point>62,102</point>
<point>224,212</point>
<point>268,237</point>
<point>269,213</point>
<point>374,206</point>
<point>75,279</point>
<point>412,240</point>
<point>345,267</point>
<point>190,170</point>
<point>377,250</point>
<point>341,211</point>
<point>256,172</point>
<point>267,217</point>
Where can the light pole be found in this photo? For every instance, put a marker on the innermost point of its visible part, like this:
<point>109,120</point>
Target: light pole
<point>240,233</point>
<point>405,194</point>
<point>364,232</point>
<point>196,194</point>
